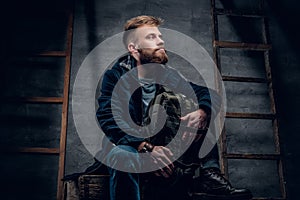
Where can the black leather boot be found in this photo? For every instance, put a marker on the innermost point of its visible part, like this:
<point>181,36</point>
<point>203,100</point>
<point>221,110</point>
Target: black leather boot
<point>211,184</point>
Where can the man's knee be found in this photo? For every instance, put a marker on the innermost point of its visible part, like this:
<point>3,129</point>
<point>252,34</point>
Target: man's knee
<point>124,158</point>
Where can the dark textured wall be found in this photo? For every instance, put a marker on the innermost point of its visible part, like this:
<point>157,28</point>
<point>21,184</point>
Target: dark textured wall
<point>30,27</point>
<point>95,21</point>
<point>285,62</point>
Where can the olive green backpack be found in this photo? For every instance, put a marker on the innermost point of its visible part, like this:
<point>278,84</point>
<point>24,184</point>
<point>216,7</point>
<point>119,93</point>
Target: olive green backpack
<point>172,128</point>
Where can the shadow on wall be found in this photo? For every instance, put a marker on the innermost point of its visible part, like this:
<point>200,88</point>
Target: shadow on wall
<point>89,12</point>
<point>286,63</point>
<point>283,22</point>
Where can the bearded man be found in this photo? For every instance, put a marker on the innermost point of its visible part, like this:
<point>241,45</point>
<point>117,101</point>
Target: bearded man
<point>126,93</point>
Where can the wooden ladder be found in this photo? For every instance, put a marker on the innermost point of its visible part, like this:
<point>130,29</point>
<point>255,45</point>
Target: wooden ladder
<point>265,48</point>
<point>57,100</point>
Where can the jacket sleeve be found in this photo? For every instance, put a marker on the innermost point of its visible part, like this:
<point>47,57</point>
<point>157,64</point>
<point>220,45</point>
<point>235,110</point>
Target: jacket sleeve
<point>106,118</point>
<point>203,97</point>
<point>208,99</point>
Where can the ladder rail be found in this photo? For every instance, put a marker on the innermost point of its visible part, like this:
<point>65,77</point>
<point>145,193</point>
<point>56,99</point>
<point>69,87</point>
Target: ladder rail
<point>265,47</point>
<point>216,58</point>
<point>63,100</point>
<point>265,36</point>
<point>65,104</point>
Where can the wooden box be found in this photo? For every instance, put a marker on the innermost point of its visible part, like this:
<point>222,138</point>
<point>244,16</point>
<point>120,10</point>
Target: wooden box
<point>93,187</point>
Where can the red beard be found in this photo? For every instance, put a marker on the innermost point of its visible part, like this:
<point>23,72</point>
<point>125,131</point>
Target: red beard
<point>148,55</point>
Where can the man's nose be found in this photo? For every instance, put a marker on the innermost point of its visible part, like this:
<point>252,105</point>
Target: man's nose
<point>160,41</point>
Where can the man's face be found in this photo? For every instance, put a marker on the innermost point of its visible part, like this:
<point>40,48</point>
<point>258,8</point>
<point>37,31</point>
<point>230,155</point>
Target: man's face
<point>150,45</point>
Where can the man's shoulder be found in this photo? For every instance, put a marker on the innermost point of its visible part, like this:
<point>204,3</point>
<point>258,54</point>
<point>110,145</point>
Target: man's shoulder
<point>115,71</point>
<point>121,66</point>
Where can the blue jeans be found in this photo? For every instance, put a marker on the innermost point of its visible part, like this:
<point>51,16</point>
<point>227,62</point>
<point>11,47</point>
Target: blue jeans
<point>126,186</point>
<point>211,160</point>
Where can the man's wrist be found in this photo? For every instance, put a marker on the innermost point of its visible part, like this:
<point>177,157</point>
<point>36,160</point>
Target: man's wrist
<point>145,147</point>
<point>140,147</point>
<point>149,146</point>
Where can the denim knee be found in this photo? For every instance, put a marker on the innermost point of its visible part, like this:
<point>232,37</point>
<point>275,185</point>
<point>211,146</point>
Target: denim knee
<point>211,160</point>
<point>124,158</point>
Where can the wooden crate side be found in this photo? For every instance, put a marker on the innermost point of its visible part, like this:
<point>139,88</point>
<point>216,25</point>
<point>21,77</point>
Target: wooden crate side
<point>94,187</point>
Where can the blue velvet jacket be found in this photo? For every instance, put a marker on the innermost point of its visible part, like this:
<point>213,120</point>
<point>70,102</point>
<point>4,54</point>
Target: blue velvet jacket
<point>105,116</point>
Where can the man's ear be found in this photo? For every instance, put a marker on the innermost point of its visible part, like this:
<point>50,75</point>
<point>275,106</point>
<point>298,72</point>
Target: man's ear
<point>132,48</point>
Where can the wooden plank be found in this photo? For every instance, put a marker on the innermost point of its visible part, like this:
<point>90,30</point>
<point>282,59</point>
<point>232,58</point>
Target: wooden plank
<point>236,13</point>
<point>250,115</point>
<point>265,35</point>
<point>39,54</point>
<point>242,45</point>
<point>253,156</point>
<point>48,100</point>
<point>217,60</point>
<point>51,54</point>
<point>64,122</point>
<point>36,150</point>
<point>94,186</point>
<point>244,79</point>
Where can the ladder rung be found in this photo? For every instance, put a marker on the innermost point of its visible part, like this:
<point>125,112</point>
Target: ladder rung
<point>53,100</point>
<point>52,54</point>
<point>250,115</point>
<point>38,54</point>
<point>37,150</point>
<point>220,11</point>
<point>242,45</point>
<point>253,156</point>
<point>244,79</point>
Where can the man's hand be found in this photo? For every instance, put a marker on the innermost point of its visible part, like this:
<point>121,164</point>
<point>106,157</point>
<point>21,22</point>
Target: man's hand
<point>161,156</point>
<point>197,120</point>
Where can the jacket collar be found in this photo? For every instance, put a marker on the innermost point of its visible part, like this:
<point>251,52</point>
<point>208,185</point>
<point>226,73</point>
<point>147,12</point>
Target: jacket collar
<point>127,62</point>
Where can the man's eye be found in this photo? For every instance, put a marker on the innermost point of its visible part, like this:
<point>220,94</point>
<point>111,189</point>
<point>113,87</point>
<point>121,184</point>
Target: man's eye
<point>151,37</point>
